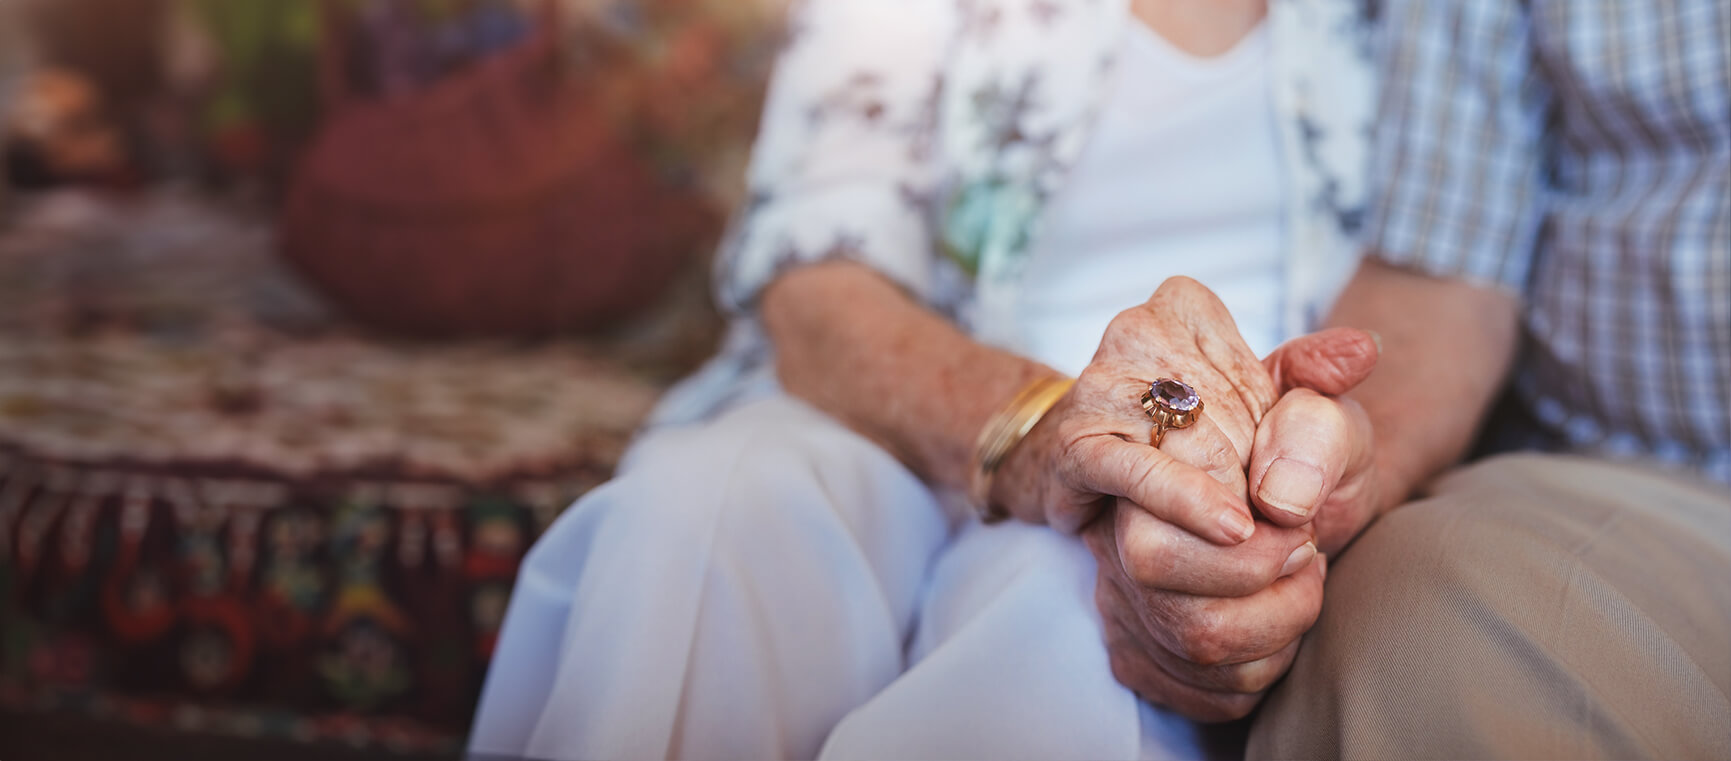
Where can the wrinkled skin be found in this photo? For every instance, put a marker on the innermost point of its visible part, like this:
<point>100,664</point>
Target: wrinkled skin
<point>1209,570</point>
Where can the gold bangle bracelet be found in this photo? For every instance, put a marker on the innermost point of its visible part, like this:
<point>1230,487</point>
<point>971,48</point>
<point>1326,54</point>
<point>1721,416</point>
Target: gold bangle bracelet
<point>1003,432</point>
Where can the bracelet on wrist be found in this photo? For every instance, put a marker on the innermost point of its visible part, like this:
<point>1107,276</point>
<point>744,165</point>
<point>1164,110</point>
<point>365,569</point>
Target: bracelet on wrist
<point>1003,432</point>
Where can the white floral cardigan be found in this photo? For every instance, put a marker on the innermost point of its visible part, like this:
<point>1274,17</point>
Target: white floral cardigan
<point>923,138</point>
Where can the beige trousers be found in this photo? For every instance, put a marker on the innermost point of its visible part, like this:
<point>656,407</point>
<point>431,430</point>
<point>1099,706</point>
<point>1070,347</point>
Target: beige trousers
<point>1533,606</point>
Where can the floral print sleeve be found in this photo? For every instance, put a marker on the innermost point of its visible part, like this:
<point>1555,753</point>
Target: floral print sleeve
<point>842,167</point>
<point>892,125</point>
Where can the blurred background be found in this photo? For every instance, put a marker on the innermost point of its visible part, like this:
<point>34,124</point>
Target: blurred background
<point>313,314</point>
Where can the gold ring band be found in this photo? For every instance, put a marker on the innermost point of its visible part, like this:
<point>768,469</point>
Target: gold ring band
<point>1172,404</point>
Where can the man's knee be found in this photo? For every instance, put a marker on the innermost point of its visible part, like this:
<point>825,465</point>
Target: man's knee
<point>1489,619</point>
<point>1386,662</point>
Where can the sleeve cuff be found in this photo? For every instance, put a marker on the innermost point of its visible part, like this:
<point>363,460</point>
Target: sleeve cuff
<point>1500,259</point>
<point>869,224</point>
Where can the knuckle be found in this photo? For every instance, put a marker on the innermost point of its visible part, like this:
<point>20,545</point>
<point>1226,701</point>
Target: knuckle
<point>1123,666</point>
<point>1264,567</point>
<point>1145,474</point>
<point>1191,297</point>
<point>1254,384</point>
<point>1265,573</point>
<point>1105,600</point>
<point>1122,320</point>
<point>1147,559</point>
<point>1218,454</point>
<point>1329,414</point>
<point>1204,638</point>
<point>1178,285</point>
<point>1122,331</point>
<point>1314,409</point>
<point>1204,449</point>
<point>1198,492</point>
<point>1097,536</point>
<point>1355,417</point>
<point>1099,389</point>
<point>1312,609</point>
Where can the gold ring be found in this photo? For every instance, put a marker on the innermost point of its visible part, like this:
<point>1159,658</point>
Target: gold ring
<point>1172,404</point>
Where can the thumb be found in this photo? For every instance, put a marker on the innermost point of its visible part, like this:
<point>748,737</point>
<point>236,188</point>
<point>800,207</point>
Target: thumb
<point>1306,445</point>
<point>1328,362</point>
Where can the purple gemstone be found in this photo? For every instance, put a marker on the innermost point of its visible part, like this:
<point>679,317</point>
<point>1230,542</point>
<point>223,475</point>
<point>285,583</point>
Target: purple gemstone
<point>1175,395</point>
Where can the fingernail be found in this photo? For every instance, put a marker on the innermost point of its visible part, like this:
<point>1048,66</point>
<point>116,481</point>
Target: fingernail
<point>1237,525</point>
<point>1377,339</point>
<point>1291,486</point>
<point>1298,559</point>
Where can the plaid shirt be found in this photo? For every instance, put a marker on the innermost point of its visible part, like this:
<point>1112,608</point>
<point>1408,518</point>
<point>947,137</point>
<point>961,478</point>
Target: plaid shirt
<point>1577,152</point>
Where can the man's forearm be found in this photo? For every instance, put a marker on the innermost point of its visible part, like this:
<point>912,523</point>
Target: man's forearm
<point>1447,346</point>
<point>855,346</point>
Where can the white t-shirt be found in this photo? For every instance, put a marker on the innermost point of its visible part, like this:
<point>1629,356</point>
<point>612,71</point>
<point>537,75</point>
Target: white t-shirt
<point>1182,177</point>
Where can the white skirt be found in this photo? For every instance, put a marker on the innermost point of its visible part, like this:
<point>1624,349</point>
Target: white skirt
<point>770,584</point>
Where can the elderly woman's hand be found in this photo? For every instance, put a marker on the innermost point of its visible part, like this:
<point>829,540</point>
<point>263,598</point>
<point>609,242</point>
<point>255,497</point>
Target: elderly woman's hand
<point>1094,444</point>
<point>1188,600</point>
<point>1205,630</point>
<point>1203,608</point>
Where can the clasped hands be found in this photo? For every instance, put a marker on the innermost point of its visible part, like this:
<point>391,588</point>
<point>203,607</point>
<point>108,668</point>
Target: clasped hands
<point>1211,549</point>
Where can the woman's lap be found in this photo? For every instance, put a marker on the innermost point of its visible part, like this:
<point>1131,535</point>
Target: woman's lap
<point>744,584</point>
<point>1008,663</point>
<point>739,586</point>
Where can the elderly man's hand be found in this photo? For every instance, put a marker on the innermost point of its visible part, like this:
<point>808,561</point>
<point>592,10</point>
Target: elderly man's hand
<point>1314,464</point>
